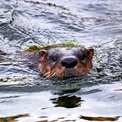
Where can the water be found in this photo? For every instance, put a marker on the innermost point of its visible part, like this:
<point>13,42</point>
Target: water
<point>25,96</point>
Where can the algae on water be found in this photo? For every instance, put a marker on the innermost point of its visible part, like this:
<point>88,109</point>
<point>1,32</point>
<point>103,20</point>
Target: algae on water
<point>35,48</point>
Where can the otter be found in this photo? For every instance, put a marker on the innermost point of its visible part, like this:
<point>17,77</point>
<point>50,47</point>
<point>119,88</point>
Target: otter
<point>62,61</point>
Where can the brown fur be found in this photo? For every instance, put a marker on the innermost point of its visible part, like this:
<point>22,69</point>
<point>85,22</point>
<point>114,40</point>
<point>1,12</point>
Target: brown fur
<point>55,69</point>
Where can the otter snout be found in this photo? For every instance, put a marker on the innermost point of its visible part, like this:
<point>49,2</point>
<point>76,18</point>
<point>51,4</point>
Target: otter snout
<point>69,62</point>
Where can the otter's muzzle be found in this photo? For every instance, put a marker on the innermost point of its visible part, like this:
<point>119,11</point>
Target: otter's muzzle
<point>69,62</point>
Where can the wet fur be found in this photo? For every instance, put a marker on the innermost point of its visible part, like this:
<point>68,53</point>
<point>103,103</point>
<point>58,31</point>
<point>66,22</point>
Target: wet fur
<point>55,69</point>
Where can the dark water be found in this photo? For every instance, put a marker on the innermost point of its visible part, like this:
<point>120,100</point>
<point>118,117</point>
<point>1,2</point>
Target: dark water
<point>25,96</point>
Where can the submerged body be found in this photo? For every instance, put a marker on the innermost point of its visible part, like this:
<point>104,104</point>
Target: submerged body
<point>63,61</point>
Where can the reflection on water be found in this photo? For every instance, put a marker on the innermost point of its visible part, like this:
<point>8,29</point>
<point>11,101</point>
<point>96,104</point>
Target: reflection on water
<point>67,101</point>
<point>25,96</point>
<point>12,118</point>
<point>90,103</point>
<point>100,118</point>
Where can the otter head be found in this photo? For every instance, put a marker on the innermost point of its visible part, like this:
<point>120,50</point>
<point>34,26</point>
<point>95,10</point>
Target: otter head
<point>65,61</point>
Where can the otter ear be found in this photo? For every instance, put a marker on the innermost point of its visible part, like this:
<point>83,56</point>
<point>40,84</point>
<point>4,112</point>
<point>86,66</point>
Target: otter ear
<point>91,50</point>
<point>42,53</point>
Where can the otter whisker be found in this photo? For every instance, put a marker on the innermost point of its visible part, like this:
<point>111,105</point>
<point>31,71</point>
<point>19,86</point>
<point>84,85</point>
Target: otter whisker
<point>46,74</point>
<point>56,73</point>
<point>61,73</point>
<point>53,74</point>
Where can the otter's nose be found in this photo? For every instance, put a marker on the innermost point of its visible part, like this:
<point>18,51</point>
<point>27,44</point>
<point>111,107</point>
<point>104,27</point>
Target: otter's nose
<point>69,62</point>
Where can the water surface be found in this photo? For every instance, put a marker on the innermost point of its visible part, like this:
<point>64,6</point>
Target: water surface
<point>25,96</point>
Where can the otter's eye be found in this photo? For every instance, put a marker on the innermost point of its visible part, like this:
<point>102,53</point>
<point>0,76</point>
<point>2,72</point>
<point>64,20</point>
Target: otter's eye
<point>82,57</point>
<point>54,59</point>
